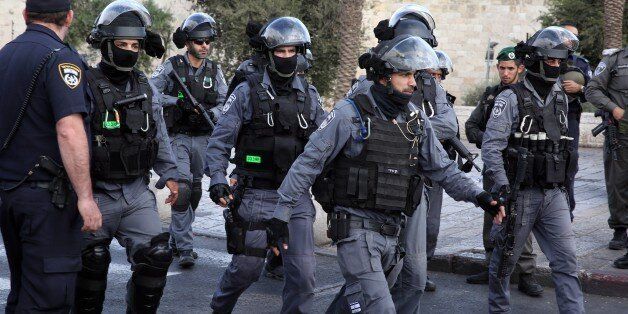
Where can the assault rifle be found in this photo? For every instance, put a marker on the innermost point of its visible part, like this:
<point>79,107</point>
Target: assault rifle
<point>508,248</point>
<point>462,150</point>
<point>195,103</point>
<point>608,125</point>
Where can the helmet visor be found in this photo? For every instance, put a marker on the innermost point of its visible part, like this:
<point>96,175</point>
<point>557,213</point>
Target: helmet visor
<point>554,42</point>
<point>285,31</point>
<point>412,9</point>
<point>411,53</point>
<point>444,62</point>
<point>193,21</point>
<point>118,7</point>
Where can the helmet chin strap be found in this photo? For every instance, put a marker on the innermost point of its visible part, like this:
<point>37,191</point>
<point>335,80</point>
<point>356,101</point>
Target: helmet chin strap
<point>111,62</point>
<point>272,67</point>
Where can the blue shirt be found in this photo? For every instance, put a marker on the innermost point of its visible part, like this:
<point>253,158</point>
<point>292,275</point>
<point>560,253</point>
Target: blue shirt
<point>60,91</point>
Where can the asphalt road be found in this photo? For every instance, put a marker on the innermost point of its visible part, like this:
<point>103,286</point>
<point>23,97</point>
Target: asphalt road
<point>190,291</point>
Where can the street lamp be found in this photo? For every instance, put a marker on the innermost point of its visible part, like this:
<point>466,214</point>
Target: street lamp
<point>490,52</point>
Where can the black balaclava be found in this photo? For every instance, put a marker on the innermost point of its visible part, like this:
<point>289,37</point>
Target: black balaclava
<point>123,60</point>
<point>543,85</point>
<point>282,71</point>
<point>388,100</point>
<point>118,78</point>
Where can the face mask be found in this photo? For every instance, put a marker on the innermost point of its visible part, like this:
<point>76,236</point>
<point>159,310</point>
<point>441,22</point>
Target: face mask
<point>123,60</point>
<point>285,67</point>
<point>550,71</point>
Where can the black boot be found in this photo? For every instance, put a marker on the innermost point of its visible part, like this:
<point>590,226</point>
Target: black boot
<point>529,285</point>
<point>619,239</point>
<point>479,278</point>
<point>430,285</point>
<point>622,262</point>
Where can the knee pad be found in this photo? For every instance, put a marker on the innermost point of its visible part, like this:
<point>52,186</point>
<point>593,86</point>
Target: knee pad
<point>197,192</point>
<point>183,201</point>
<point>149,275</point>
<point>91,282</point>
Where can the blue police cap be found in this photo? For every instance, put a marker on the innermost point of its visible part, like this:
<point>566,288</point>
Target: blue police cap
<point>48,6</point>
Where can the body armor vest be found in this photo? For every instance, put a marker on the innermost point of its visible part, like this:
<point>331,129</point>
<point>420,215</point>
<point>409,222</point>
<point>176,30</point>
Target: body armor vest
<point>384,176</point>
<point>543,133</point>
<point>124,145</point>
<point>184,119</point>
<point>279,129</point>
<point>488,102</point>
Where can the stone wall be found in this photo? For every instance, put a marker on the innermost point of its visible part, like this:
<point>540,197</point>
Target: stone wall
<point>463,30</point>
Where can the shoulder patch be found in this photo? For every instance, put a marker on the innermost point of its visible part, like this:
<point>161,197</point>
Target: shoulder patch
<point>70,74</point>
<point>228,103</point>
<point>498,108</point>
<point>327,120</point>
<point>600,68</point>
<point>158,71</point>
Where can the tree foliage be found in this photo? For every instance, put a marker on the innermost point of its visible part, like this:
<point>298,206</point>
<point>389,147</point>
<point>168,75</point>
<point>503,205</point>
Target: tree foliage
<point>318,15</point>
<point>588,17</point>
<point>86,12</point>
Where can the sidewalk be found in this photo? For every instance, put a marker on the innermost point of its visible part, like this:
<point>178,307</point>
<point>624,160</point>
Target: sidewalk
<point>460,248</point>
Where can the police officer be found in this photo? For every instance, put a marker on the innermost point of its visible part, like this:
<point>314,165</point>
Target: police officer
<point>608,90</point>
<point>44,161</point>
<point>575,78</point>
<point>528,121</point>
<point>187,128</point>
<point>510,70</point>
<point>268,119</point>
<point>128,140</point>
<point>374,146</point>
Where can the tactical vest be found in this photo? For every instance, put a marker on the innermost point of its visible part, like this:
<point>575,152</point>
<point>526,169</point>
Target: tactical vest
<point>549,160</point>
<point>488,102</point>
<point>428,88</point>
<point>279,129</point>
<point>384,176</point>
<point>184,119</point>
<point>124,145</point>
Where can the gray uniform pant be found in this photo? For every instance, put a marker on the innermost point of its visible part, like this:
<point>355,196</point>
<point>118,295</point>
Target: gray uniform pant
<point>188,152</point>
<point>364,257</point>
<point>408,288</point>
<point>526,264</point>
<point>546,213</point>
<point>132,222</point>
<point>299,261</point>
<point>616,175</point>
<point>434,206</point>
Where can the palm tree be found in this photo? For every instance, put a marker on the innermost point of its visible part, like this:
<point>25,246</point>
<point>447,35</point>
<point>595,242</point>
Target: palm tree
<point>350,33</point>
<point>613,23</point>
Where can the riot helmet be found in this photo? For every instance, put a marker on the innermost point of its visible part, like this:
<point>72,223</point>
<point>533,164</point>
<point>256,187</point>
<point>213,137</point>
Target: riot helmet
<point>444,63</point>
<point>549,43</point>
<point>415,20</point>
<point>404,53</point>
<point>304,61</point>
<point>121,19</point>
<point>281,32</point>
<point>195,26</point>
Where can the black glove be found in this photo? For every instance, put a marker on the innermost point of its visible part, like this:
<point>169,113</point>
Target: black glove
<point>154,46</point>
<point>466,167</point>
<point>277,233</point>
<point>485,199</point>
<point>218,191</point>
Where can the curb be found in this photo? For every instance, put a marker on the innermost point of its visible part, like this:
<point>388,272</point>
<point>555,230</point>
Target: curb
<point>599,282</point>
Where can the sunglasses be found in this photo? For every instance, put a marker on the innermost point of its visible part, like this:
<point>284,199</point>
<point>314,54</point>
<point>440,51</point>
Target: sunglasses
<point>202,41</point>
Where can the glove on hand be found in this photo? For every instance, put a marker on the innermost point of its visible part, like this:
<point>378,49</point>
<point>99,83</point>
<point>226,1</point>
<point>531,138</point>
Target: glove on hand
<point>277,233</point>
<point>218,191</point>
<point>485,199</point>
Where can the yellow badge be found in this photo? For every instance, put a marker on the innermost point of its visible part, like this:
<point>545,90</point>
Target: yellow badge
<point>71,74</point>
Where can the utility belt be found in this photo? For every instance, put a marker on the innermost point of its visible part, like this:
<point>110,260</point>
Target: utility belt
<point>549,161</point>
<point>60,187</point>
<point>339,225</point>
